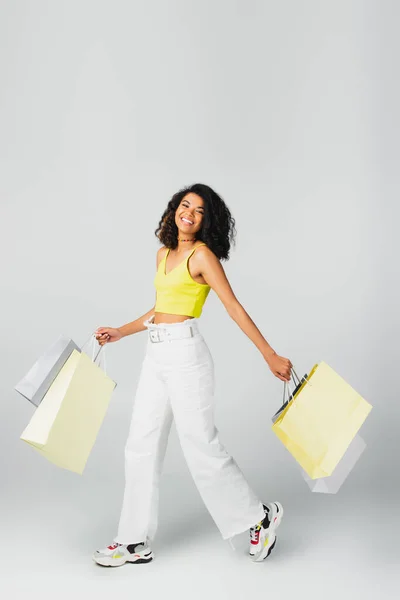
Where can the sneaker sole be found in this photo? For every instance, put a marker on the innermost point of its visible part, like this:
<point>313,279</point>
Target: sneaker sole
<point>107,561</point>
<point>270,542</point>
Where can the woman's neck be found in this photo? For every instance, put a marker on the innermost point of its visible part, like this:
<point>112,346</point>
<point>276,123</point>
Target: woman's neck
<point>185,243</point>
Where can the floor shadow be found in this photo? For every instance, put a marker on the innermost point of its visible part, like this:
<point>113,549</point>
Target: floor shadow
<point>184,531</point>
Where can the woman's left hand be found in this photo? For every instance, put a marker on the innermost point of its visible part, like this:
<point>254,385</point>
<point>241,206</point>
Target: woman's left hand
<point>280,366</point>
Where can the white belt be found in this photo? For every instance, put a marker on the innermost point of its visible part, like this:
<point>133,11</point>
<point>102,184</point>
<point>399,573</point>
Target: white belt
<point>159,334</point>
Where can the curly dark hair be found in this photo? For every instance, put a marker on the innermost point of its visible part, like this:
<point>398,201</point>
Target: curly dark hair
<point>218,227</point>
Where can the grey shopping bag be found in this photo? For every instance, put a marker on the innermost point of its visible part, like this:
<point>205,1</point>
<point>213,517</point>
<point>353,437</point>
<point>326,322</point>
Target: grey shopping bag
<point>332,484</point>
<point>35,384</point>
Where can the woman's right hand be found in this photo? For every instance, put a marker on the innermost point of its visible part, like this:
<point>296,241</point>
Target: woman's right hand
<point>280,366</point>
<point>106,335</point>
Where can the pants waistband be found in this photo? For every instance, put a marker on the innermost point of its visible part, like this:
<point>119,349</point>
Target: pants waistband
<point>160,332</point>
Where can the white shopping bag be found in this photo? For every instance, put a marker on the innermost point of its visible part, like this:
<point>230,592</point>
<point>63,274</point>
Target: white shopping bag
<point>332,484</point>
<point>35,384</point>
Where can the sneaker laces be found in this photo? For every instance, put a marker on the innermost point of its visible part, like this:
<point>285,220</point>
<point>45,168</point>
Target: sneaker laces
<point>114,546</point>
<point>255,532</point>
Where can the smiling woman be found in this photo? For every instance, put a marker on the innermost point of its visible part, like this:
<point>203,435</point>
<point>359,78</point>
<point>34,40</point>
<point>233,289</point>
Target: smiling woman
<point>177,382</point>
<point>198,213</point>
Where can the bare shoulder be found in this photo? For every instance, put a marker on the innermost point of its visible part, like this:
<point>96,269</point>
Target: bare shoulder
<point>205,252</point>
<point>160,254</point>
<point>161,251</point>
<point>205,257</point>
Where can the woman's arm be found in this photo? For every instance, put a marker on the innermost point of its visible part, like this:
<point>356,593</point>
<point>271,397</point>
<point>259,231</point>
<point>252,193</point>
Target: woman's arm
<point>135,326</point>
<point>211,269</point>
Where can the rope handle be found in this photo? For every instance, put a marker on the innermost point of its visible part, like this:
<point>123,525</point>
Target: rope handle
<point>286,385</point>
<point>100,354</point>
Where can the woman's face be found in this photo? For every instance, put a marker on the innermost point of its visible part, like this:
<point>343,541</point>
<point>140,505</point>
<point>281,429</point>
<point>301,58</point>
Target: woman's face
<point>189,215</point>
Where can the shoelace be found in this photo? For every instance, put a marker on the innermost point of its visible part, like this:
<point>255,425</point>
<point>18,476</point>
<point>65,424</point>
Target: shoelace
<point>114,546</point>
<point>255,532</point>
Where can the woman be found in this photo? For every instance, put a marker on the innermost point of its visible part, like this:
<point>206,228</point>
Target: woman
<point>177,381</point>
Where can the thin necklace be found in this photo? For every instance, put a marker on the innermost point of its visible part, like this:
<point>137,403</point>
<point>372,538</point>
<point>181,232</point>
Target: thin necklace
<point>182,240</point>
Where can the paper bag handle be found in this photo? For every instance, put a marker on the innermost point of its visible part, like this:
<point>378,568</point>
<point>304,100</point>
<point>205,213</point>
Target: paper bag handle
<point>286,385</point>
<point>94,358</point>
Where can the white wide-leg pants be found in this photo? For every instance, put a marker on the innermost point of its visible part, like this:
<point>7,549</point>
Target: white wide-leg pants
<point>177,381</point>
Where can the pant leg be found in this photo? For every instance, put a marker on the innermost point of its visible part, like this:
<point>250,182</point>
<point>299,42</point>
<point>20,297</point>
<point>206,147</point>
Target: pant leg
<point>144,455</point>
<point>228,497</point>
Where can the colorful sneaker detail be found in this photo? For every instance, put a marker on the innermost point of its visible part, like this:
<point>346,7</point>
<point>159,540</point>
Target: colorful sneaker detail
<point>262,535</point>
<point>255,544</point>
<point>117,554</point>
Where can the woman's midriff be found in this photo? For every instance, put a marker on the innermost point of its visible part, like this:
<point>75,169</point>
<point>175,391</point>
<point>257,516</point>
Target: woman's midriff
<point>168,318</point>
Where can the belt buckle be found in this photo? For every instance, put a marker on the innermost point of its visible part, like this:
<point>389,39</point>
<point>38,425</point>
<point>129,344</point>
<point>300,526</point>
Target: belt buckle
<point>155,336</point>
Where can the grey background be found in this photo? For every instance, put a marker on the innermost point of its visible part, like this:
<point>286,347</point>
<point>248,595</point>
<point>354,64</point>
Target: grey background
<point>290,110</point>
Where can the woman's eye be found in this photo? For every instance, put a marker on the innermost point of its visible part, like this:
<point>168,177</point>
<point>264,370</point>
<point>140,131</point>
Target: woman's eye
<point>186,205</point>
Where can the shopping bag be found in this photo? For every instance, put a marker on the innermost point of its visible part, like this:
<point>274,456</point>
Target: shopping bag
<point>320,420</point>
<point>34,385</point>
<point>65,425</point>
<point>333,483</point>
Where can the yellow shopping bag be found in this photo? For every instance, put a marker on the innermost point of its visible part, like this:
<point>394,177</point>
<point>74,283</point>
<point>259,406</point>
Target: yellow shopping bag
<point>320,421</point>
<point>65,425</point>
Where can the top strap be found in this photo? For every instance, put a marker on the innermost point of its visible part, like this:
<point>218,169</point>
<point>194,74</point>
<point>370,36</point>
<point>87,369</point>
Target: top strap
<point>194,249</point>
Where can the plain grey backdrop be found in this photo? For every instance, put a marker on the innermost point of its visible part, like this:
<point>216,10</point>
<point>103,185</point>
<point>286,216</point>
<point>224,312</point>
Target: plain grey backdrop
<point>289,109</point>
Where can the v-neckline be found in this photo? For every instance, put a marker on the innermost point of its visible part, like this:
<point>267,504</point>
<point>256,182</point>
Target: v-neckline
<point>179,264</point>
<point>176,266</point>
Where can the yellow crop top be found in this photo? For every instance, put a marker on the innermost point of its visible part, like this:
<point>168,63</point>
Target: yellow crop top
<point>177,292</point>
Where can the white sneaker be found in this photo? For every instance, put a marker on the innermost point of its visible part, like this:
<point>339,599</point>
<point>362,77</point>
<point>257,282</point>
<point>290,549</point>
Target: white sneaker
<point>262,535</point>
<point>117,554</point>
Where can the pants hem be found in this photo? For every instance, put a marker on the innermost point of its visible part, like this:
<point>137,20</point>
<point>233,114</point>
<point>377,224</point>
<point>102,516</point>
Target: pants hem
<point>228,537</point>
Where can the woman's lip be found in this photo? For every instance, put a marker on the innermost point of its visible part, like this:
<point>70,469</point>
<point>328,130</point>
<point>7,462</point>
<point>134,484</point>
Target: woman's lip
<point>186,222</point>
